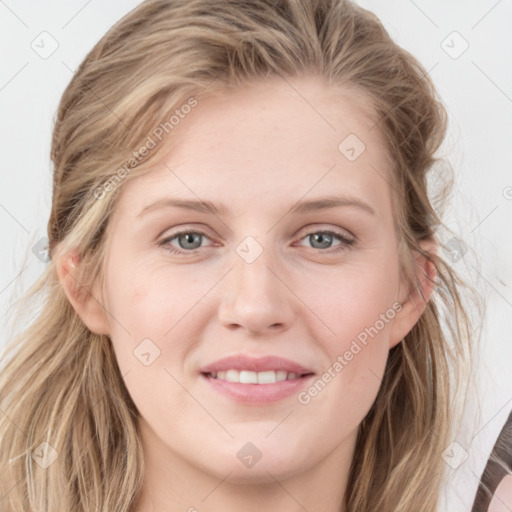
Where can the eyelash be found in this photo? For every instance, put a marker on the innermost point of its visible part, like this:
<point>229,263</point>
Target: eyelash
<point>347,243</point>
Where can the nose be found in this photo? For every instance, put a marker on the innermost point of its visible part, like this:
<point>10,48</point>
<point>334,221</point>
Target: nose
<point>256,298</point>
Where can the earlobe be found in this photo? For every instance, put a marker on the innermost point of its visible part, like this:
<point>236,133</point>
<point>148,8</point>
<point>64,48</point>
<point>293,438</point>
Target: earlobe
<point>84,298</point>
<point>415,297</point>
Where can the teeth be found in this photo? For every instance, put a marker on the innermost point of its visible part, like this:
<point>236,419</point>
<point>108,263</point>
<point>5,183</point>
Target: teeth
<point>248,377</point>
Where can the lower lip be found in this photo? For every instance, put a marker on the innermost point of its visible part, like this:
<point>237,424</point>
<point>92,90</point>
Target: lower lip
<point>258,393</point>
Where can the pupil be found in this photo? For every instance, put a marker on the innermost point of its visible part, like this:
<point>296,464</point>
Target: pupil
<point>189,238</point>
<point>319,237</point>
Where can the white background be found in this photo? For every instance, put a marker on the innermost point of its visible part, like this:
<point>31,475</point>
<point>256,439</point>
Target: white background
<point>476,87</point>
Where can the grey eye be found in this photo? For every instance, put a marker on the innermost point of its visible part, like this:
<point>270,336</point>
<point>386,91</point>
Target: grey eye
<point>324,240</point>
<point>189,243</point>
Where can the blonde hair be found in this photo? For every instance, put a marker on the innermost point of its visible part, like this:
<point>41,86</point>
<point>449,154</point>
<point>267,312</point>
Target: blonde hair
<point>61,384</point>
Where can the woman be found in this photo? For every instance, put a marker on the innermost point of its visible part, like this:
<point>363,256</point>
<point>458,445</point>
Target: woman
<point>295,358</point>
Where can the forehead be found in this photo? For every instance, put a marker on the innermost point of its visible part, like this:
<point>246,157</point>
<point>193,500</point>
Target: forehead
<point>270,142</point>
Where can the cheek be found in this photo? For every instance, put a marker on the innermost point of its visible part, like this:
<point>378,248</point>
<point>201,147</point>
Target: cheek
<point>148,318</point>
<point>358,308</point>
<point>151,301</point>
<point>356,302</point>
<point>157,320</point>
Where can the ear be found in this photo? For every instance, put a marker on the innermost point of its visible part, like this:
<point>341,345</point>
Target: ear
<point>414,297</point>
<point>85,299</point>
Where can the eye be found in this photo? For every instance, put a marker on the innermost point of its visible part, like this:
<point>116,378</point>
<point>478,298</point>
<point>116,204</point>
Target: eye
<point>187,241</point>
<point>323,239</point>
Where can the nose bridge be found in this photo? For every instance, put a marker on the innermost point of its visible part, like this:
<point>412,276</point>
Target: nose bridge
<point>254,295</point>
<point>254,267</point>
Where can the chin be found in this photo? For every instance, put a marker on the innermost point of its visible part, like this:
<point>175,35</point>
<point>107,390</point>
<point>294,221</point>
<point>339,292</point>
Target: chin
<point>262,473</point>
<point>256,462</point>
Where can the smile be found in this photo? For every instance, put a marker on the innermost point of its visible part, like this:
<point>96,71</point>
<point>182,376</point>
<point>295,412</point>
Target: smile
<point>250,377</point>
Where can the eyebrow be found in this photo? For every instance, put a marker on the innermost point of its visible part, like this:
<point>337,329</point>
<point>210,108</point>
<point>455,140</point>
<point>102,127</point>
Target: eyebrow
<point>301,207</point>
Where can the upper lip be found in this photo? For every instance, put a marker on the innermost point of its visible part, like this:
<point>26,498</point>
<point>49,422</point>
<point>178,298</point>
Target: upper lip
<point>255,364</point>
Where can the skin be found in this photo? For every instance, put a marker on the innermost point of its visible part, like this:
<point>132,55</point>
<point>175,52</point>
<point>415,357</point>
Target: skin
<point>502,499</point>
<point>258,150</point>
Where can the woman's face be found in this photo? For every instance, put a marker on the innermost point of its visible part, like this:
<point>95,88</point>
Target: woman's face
<point>255,280</point>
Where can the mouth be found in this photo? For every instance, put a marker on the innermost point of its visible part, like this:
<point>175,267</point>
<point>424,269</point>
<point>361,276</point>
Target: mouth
<point>252,377</point>
<point>249,388</point>
<point>249,380</point>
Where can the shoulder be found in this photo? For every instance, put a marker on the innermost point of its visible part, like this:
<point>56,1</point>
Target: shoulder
<point>502,498</point>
